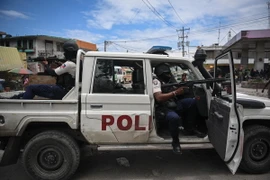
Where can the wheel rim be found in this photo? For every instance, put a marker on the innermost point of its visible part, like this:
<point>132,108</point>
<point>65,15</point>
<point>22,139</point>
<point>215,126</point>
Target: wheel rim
<point>259,150</point>
<point>50,158</point>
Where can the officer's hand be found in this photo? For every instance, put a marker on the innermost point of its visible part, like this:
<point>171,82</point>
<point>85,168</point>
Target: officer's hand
<point>181,90</point>
<point>45,62</point>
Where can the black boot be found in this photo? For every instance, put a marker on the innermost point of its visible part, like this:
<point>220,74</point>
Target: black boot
<point>177,149</point>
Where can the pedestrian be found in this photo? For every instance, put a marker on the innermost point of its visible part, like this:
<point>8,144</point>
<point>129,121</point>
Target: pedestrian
<point>267,85</point>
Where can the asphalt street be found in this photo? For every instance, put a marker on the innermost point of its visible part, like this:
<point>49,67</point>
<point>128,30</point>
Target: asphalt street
<point>147,165</point>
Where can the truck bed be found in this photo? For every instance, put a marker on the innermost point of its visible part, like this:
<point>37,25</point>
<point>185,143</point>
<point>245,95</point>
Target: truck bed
<point>15,114</point>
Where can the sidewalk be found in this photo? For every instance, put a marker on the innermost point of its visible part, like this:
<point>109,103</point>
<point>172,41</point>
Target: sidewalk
<point>253,92</point>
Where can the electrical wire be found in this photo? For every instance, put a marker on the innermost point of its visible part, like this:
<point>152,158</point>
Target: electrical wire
<point>149,5</point>
<point>230,25</point>
<point>176,12</point>
<point>115,47</point>
<point>136,13</point>
<point>202,31</point>
<point>131,49</point>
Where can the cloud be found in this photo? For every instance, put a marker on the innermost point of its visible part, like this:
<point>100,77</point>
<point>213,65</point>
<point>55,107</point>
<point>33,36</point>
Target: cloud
<point>209,21</point>
<point>108,13</point>
<point>14,14</point>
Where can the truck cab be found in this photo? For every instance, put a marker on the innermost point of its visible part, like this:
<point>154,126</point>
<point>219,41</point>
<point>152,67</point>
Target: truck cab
<point>108,115</point>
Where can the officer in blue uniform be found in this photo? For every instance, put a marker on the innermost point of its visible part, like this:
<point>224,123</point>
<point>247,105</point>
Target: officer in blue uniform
<point>168,99</point>
<point>65,76</point>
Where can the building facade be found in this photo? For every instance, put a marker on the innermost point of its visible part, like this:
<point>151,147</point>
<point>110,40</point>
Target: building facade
<point>41,45</point>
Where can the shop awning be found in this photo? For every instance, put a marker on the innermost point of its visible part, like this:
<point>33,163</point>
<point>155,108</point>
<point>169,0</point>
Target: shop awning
<point>9,58</point>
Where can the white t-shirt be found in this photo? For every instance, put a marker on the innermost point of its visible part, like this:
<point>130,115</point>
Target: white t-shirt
<point>156,86</point>
<point>67,67</point>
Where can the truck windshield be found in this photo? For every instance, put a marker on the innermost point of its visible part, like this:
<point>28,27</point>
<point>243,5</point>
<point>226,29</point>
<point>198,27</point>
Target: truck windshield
<point>182,73</point>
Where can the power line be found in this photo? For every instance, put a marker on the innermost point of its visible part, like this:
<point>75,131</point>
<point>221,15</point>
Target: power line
<point>233,25</point>
<point>158,14</point>
<point>145,39</point>
<point>136,13</point>
<point>116,47</point>
<point>176,13</point>
<point>201,31</point>
<point>132,49</point>
<point>210,26</point>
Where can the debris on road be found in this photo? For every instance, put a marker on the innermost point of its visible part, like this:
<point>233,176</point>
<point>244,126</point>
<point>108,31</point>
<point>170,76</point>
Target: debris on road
<point>122,161</point>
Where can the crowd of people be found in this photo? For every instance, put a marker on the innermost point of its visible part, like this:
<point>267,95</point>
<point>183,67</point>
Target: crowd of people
<point>246,74</point>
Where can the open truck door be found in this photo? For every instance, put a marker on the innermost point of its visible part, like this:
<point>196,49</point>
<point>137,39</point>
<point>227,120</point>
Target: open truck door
<point>224,127</point>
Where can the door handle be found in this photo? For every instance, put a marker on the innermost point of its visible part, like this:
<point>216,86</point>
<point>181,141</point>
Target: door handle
<point>96,106</point>
<point>218,116</point>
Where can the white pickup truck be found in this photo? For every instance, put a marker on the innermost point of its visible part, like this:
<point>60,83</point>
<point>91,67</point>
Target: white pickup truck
<point>98,111</point>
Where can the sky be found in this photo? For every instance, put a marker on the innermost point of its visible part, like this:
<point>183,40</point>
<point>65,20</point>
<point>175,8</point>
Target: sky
<point>134,25</point>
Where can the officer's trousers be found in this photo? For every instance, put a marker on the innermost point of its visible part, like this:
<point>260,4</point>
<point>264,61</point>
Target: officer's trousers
<point>186,105</point>
<point>47,91</point>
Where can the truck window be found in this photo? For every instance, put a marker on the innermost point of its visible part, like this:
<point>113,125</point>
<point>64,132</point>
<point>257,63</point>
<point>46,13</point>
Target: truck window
<point>222,70</point>
<point>182,73</point>
<point>119,76</point>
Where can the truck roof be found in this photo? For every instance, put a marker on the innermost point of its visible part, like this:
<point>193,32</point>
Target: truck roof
<point>135,55</point>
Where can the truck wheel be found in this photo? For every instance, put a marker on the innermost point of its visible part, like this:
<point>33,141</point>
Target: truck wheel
<point>256,152</point>
<point>51,155</point>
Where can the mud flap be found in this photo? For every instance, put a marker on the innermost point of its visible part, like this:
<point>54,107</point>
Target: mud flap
<point>11,152</point>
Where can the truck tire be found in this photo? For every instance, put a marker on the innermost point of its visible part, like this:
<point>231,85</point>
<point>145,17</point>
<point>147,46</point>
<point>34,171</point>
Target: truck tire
<point>256,152</point>
<point>51,155</point>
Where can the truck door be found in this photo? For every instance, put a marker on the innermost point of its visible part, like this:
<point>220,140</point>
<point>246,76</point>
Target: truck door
<point>224,127</point>
<point>116,112</point>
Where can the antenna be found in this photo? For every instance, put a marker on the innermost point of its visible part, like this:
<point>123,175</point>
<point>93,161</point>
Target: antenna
<point>218,32</point>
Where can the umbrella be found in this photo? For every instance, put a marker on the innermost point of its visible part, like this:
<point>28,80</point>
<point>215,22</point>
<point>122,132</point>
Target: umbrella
<point>20,71</point>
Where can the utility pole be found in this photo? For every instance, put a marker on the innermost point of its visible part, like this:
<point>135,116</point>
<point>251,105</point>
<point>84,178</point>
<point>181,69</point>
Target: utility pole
<point>268,4</point>
<point>105,46</point>
<point>229,36</point>
<point>106,43</point>
<point>182,42</point>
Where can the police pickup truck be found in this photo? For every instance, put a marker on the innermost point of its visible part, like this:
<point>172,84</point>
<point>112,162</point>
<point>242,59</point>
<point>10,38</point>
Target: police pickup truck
<point>106,115</point>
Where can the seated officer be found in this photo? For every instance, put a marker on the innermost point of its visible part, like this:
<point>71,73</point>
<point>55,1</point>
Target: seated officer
<point>65,75</point>
<point>173,106</point>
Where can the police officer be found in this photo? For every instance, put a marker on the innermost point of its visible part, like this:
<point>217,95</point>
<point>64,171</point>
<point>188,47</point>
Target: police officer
<point>174,107</point>
<point>65,76</point>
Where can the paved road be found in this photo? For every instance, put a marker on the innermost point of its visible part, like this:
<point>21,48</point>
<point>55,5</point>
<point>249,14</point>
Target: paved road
<point>148,165</point>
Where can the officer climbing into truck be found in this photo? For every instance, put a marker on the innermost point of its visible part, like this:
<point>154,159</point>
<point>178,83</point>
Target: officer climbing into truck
<point>174,107</point>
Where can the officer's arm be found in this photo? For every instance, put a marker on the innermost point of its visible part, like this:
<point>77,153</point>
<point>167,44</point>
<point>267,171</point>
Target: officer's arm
<point>49,71</point>
<point>162,97</point>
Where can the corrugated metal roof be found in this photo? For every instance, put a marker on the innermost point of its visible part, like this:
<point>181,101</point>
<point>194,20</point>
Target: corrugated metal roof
<point>86,45</point>
<point>9,58</point>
